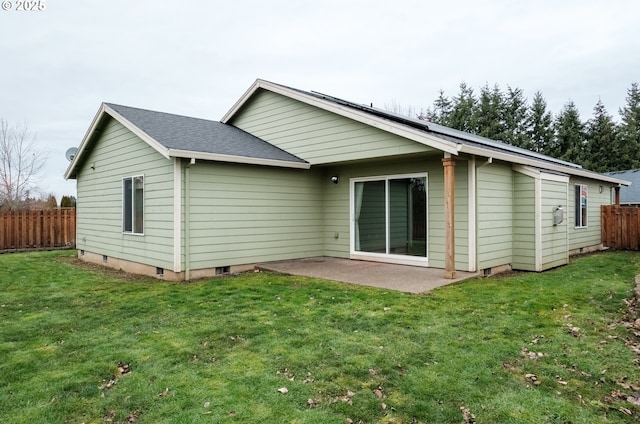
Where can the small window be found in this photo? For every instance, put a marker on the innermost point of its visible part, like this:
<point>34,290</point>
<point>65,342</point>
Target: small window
<point>581,205</point>
<point>133,205</point>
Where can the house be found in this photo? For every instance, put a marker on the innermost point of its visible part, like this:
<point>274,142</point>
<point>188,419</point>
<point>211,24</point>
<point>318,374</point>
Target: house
<point>629,195</point>
<point>294,174</point>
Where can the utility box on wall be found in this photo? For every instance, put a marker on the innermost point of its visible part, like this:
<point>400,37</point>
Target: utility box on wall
<point>558,215</point>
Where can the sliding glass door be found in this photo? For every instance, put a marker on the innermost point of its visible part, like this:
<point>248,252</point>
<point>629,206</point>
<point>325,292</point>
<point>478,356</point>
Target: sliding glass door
<point>390,216</point>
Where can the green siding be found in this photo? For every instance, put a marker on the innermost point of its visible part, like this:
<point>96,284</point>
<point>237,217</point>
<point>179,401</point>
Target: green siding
<point>524,223</point>
<point>591,235</point>
<point>316,135</point>
<point>494,215</point>
<point>117,154</point>
<point>337,207</point>
<point>243,214</point>
<point>554,237</point>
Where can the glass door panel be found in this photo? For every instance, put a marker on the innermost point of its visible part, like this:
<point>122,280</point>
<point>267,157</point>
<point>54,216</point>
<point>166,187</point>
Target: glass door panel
<point>407,217</point>
<point>370,216</point>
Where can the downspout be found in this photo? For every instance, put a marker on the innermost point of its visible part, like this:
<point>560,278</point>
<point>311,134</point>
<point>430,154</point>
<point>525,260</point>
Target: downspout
<point>187,219</point>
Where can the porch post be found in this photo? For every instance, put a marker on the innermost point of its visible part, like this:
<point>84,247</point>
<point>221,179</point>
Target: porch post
<point>617,188</point>
<point>449,216</point>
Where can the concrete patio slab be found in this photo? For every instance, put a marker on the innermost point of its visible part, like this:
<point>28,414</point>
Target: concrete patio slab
<point>405,278</point>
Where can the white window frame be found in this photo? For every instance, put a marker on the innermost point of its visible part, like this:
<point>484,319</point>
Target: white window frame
<point>133,206</point>
<point>386,257</point>
<point>579,222</point>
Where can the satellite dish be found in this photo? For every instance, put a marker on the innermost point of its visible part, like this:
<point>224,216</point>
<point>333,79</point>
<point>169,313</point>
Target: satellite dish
<point>71,153</point>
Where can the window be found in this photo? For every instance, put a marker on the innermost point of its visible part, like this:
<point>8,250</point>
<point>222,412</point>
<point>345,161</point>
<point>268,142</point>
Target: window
<point>133,205</point>
<point>581,205</point>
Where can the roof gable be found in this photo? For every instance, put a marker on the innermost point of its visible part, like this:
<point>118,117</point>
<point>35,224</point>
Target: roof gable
<point>181,136</point>
<point>446,139</point>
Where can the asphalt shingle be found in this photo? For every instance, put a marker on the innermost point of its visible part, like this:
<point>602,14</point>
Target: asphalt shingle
<point>201,135</point>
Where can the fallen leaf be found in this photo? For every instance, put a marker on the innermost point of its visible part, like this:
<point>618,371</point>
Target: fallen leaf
<point>625,411</point>
<point>467,416</point>
<point>207,404</point>
<point>378,393</point>
<point>283,390</point>
<point>635,399</point>
<point>373,371</point>
<point>164,393</point>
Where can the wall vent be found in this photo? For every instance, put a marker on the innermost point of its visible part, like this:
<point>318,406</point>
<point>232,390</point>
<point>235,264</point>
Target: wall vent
<point>223,270</point>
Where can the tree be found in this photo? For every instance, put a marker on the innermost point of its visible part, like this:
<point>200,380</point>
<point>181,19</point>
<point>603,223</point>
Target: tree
<point>21,162</point>
<point>568,144</point>
<point>539,125</point>
<point>488,113</point>
<point>68,202</point>
<point>515,119</point>
<point>629,134</point>
<point>601,148</point>
<point>440,112</point>
<point>462,110</point>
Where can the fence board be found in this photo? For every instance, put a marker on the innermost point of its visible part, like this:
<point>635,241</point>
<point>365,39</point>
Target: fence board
<point>620,227</point>
<point>38,229</point>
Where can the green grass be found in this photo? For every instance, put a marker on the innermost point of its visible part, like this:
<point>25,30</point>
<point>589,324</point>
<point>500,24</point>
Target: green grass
<point>224,347</point>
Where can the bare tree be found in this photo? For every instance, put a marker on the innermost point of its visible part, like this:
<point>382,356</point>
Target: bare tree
<point>21,163</point>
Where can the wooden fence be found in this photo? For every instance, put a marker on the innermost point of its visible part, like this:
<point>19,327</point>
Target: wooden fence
<point>37,229</point>
<point>620,227</point>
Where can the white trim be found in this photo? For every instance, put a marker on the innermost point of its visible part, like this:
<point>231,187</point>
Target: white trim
<point>473,236</point>
<point>133,206</point>
<point>237,159</point>
<point>537,183</point>
<point>417,135</point>
<point>137,131</point>
<point>359,116</point>
<point>177,215</point>
<point>85,141</point>
<point>575,211</point>
<point>539,173</point>
<point>387,257</point>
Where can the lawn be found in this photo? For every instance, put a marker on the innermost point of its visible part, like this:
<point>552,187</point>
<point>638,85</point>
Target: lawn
<point>80,344</point>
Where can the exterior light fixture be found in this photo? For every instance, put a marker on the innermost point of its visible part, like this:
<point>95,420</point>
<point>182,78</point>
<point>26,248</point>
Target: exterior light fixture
<point>335,179</point>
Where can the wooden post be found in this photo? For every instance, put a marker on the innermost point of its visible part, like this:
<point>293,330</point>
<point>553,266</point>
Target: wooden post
<point>617,195</point>
<point>449,218</point>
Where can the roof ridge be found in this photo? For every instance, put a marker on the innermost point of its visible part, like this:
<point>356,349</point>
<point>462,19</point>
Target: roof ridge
<point>160,112</point>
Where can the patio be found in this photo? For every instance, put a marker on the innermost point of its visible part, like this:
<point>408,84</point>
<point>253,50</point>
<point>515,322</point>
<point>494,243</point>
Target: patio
<point>405,278</point>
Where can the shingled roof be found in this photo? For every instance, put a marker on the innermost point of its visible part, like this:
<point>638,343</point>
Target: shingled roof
<point>629,195</point>
<point>186,137</point>
<point>183,133</point>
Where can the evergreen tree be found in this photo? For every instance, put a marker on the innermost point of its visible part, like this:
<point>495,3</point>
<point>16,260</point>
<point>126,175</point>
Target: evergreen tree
<point>488,113</point>
<point>629,134</point>
<point>68,202</point>
<point>440,111</point>
<point>515,119</point>
<point>601,147</point>
<point>540,125</point>
<point>462,110</point>
<point>568,144</point>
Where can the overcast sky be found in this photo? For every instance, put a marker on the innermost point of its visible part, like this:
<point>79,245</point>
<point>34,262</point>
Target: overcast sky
<point>197,58</point>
